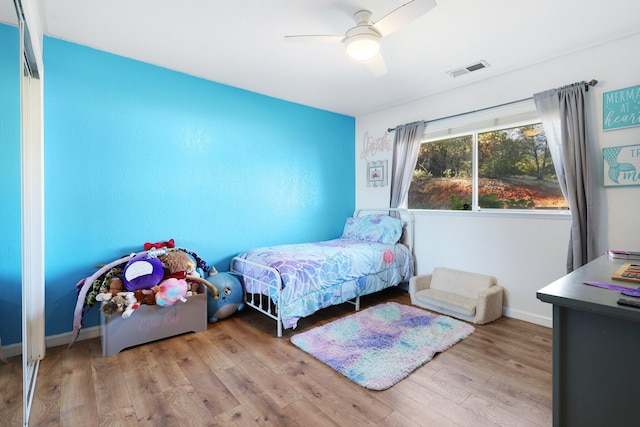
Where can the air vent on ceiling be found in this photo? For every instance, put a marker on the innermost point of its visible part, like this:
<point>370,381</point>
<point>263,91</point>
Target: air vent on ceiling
<point>468,68</point>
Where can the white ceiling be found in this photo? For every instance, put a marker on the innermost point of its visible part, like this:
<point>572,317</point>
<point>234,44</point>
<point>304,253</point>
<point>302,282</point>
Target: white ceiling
<point>240,42</point>
<point>7,12</point>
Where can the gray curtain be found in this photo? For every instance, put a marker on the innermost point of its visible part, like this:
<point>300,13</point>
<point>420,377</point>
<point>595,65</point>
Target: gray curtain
<point>406,145</point>
<point>562,112</point>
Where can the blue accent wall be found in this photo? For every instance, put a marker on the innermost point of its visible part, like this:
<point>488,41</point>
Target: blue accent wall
<point>10,219</point>
<point>137,153</point>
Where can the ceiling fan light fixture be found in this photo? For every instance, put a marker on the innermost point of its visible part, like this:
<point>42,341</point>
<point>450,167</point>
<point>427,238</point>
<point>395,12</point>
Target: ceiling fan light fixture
<point>363,47</point>
<point>362,42</point>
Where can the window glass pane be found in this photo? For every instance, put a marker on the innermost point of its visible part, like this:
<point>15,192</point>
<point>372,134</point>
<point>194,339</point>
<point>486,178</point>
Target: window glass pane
<point>442,178</point>
<point>515,170</point>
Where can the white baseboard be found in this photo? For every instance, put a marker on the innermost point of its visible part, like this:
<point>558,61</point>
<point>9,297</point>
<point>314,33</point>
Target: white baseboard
<point>508,312</point>
<point>54,340</point>
<point>63,339</point>
<point>12,349</point>
<point>529,317</point>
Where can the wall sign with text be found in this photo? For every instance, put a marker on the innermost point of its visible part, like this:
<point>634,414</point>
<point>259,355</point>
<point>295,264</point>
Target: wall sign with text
<point>621,165</point>
<point>621,108</point>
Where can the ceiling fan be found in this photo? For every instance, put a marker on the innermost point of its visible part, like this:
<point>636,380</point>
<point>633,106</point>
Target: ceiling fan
<point>363,41</point>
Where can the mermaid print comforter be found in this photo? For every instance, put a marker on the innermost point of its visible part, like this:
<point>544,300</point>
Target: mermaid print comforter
<point>318,275</point>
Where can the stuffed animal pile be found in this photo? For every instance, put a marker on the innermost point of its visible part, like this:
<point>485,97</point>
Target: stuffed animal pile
<point>162,275</point>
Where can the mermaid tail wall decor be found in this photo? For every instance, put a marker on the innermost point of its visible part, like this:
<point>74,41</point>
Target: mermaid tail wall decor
<point>628,170</point>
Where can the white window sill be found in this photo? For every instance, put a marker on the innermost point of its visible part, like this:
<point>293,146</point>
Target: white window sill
<point>564,215</point>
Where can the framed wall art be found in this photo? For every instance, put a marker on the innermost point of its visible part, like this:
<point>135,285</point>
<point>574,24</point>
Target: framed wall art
<point>621,108</point>
<point>621,165</point>
<point>377,173</point>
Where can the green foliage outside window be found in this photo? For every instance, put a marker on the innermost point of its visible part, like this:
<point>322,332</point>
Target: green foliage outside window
<point>515,171</point>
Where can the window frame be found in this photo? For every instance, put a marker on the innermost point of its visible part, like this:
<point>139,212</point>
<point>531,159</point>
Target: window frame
<point>474,123</point>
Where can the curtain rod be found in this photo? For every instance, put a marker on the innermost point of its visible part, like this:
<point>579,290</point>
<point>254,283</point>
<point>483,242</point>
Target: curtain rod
<point>592,82</point>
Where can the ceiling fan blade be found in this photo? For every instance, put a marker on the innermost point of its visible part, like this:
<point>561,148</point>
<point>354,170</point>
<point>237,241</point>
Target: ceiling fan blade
<point>377,65</point>
<point>314,39</point>
<point>403,15</point>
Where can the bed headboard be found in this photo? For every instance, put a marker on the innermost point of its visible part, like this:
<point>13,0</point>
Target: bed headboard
<point>404,214</point>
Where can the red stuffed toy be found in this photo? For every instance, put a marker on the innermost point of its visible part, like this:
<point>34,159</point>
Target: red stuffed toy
<point>158,245</point>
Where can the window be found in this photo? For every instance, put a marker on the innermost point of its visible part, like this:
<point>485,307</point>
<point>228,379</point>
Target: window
<point>495,160</point>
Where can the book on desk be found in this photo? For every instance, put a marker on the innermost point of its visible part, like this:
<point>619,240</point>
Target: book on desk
<point>619,254</point>
<point>628,272</point>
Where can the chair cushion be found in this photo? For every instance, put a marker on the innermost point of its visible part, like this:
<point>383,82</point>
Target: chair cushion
<point>447,300</point>
<point>460,282</point>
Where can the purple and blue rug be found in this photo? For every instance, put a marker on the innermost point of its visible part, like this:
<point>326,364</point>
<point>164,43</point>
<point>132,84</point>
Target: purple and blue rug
<point>379,346</point>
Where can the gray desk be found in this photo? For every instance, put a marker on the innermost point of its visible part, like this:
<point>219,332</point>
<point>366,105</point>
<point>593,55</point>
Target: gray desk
<point>596,349</point>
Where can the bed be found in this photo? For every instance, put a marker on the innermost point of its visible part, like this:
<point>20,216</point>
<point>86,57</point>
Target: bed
<point>289,282</point>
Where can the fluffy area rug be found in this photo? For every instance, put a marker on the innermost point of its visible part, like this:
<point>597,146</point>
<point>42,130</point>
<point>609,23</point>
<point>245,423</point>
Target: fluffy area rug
<point>381,345</point>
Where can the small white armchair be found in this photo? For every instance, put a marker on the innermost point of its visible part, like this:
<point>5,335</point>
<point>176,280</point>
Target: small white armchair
<point>472,297</point>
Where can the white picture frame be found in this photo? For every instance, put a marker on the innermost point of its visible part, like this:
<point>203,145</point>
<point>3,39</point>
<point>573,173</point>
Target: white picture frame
<point>377,173</point>
<point>621,165</point>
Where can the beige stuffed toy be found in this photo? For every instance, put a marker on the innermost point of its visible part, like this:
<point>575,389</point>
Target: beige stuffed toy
<point>180,265</point>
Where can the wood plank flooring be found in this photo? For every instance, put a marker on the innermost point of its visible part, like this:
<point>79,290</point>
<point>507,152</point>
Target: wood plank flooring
<point>237,373</point>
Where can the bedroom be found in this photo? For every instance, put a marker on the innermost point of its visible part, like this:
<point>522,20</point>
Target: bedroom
<point>118,125</point>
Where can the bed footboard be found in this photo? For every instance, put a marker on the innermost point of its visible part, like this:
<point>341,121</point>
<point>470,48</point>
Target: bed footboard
<point>261,283</point>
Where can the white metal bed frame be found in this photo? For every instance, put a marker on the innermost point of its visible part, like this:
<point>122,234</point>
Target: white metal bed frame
<point>262,302</point>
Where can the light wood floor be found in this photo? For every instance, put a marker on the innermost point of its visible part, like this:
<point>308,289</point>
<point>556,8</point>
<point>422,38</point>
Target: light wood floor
<point>238,373</point>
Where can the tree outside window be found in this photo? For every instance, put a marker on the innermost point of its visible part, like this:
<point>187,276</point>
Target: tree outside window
<point>514,171</point>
